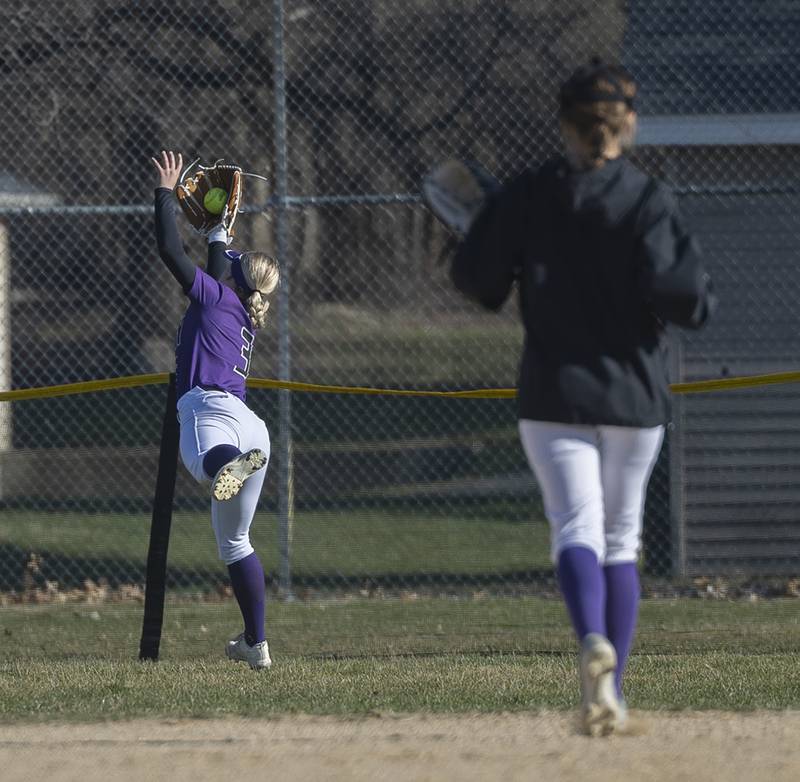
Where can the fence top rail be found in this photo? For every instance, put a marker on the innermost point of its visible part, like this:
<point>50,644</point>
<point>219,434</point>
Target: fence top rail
<point>372,199</point>
<point>134,381</point>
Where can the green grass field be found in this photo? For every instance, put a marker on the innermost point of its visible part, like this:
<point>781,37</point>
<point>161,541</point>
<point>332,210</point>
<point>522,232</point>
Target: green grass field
<point>487,540</point>
<point>358,656</point>
<point>465,649</point>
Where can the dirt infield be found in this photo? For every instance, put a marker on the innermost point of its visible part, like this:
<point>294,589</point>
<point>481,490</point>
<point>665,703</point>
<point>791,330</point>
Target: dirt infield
<point>669,746</point>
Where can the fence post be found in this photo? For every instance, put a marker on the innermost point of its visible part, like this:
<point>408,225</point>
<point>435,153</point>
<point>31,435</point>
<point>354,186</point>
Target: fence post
<point>676,465</point>
<point>6,439</point>
<point>156,575</point>
<point>286,466</point>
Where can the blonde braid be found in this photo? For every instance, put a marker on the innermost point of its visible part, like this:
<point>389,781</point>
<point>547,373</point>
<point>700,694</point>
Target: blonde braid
<point>262,275</point>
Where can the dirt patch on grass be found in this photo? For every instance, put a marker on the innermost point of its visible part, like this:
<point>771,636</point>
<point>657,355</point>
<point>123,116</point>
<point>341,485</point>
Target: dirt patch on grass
<point>661,746</point>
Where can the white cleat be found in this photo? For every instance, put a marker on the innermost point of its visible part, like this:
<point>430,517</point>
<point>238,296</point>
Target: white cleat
<point>601,711</point>
<point>257,657</point>
<point>229,480</point>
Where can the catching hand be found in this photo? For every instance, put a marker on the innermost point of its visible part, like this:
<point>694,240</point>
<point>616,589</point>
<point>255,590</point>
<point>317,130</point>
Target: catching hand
<point>210,197</point>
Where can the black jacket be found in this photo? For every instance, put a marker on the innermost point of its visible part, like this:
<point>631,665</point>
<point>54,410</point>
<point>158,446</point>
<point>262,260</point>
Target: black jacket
<point>603,261</point>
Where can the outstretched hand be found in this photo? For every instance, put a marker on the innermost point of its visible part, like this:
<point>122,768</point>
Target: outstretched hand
<point>169,169</point>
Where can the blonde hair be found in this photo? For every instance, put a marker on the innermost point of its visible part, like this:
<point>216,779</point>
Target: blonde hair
<point>262,275</point>
<point>595,130</point>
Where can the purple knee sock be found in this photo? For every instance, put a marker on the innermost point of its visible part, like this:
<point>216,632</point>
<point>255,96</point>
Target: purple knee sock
<point>622,608</point>
<point>247,579</point>
<point>581,580</point>
<point>217,457</point>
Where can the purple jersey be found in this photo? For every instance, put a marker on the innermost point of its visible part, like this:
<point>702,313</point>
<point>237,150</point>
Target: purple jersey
<point>214,341</point>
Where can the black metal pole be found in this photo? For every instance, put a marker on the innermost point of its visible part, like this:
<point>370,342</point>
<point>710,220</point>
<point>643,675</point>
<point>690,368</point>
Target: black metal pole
<point>155,580</point>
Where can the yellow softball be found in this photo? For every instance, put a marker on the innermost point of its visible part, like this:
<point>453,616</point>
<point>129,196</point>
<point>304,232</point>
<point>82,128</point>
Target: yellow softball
<point>215,200</point>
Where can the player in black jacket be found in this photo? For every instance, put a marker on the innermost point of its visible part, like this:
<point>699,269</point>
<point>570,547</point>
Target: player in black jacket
<point>603,261</point>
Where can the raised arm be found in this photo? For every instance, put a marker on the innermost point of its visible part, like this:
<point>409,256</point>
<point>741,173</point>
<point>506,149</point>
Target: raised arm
<point>170,246</point>
<point>488,260</point>
<point>218,261</point>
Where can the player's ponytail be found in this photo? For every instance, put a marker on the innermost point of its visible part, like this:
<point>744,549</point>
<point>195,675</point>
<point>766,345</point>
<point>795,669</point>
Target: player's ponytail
<point>262,274</point>
<point>596,112</point>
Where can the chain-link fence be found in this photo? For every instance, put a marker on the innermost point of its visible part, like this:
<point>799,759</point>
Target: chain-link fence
<point>344,105</point>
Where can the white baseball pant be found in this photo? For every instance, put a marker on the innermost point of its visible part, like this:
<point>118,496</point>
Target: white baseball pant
<point>593,481</point>
<point>209,418</point>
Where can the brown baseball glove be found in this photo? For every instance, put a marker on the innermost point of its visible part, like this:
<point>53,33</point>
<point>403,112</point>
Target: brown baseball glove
<point>210,197</point>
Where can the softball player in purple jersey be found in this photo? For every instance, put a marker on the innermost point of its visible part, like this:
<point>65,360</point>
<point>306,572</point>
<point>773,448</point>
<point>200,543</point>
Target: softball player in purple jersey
<point>603,262</point>
<point>221,439</point>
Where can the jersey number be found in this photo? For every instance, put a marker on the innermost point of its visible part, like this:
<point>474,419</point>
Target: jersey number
<point>246,353</point>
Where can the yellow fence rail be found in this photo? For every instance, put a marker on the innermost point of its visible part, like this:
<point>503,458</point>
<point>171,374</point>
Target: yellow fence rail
<point>133,381</point>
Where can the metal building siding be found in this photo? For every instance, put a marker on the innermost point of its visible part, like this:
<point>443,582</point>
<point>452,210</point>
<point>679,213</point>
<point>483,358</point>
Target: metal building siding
<point>739,462</point>
<point>709,57</point>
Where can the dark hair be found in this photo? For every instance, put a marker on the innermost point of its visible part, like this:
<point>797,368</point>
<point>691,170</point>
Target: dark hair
<point>596,100</point>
